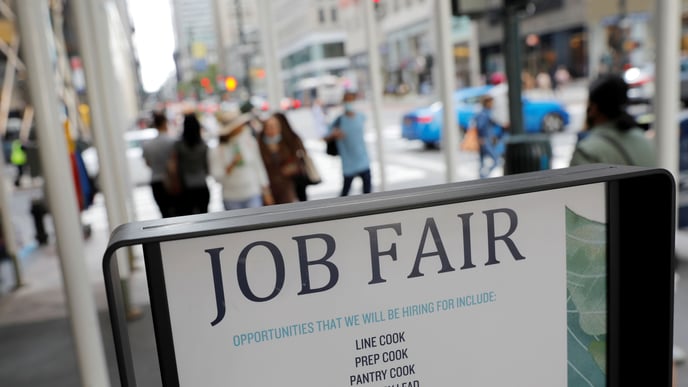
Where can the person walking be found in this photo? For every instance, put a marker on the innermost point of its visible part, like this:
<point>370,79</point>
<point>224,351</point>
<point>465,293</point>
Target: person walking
<point>612,136</point>
<point>191,152</point>
<point>237,165</point>
<point>18,159</point>
<point>319,118</point>
<point>280,147</point>
<point>348,131</point>
<point>156,153</point>
<point>488,137</point>
<point>294,142</point>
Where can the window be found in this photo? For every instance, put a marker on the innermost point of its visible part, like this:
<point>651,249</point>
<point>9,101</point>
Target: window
<point>321,16</point>
<point>334,14</point>
<point>333,50</point>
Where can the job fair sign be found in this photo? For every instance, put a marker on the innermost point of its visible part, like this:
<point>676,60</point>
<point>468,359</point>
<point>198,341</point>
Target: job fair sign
<point>409,298</point>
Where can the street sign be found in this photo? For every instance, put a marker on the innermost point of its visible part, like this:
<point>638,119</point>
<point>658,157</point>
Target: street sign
<point>520,280</point>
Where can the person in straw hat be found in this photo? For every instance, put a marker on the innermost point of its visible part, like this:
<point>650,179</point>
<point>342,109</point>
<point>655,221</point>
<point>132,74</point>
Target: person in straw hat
<point>237,165</point>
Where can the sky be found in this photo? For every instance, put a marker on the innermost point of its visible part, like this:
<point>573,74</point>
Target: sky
<point>154,40</point>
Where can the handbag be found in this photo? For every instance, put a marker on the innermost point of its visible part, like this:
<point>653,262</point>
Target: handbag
<point>310,172</point>
<point>332,149</point>
<point>470,142</point>
<point>172,181</point>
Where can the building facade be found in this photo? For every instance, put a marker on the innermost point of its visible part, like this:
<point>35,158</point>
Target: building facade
<point>310,43</point>
<point>238,36</point>
<point>195,37</point>
<point>406,33</point>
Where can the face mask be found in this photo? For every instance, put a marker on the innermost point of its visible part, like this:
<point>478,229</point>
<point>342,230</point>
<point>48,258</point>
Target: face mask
<point>272,140</point>
<point>348,107</point>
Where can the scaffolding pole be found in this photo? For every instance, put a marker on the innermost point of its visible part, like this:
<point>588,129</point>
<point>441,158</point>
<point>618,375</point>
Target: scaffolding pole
<point>39,51</point>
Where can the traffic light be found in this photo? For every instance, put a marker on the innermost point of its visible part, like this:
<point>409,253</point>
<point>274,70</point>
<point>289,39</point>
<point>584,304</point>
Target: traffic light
<point>230,83</point>
<point>205,82</point>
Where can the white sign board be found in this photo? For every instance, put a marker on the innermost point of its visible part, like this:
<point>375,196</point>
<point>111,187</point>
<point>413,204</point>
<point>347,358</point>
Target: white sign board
<point>410,298</point>
<point>524,280</point>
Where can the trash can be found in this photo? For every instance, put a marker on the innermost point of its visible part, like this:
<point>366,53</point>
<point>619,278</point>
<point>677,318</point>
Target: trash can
<point>527,153</point>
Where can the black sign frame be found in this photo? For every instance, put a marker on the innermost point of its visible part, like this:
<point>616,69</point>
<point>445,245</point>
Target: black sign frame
<point>641,212</point>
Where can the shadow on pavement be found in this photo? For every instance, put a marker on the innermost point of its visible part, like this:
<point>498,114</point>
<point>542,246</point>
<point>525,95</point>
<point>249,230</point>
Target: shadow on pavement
<point>42,353</point>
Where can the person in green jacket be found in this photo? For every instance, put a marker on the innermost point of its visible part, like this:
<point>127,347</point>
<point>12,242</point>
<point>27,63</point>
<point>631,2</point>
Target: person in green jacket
<point>18,159</point>
<point>612,136</point>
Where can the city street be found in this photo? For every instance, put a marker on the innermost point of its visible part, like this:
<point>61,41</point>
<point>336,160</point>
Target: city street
<point>193,58</point>
<point>34,318</point>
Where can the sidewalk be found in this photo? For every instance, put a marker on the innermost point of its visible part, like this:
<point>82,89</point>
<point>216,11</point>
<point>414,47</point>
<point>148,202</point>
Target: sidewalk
<point>36,346</point>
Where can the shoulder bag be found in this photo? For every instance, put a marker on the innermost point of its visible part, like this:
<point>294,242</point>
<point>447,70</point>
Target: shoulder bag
<point>332,149</point>
<point>308,166</point>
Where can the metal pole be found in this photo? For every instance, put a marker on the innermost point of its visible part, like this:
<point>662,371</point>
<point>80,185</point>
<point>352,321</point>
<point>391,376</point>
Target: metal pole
<point>512,52</point>
<point>523,152</point>
<point>271,62</point>
<point>220,16</point>
<point>447,84</point>
<point>245,58</point>
<point>39,51</point>
<point>666,99</point>
<point>106,125</point>
<point>7,226</point>
<point>375,86</point>
<point>113,98</point>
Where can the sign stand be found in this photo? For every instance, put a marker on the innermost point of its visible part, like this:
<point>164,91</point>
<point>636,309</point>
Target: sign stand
<point>530,279</point>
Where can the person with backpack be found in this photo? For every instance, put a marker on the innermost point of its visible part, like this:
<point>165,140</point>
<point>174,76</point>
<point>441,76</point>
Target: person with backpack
<point>347,132</point>
<point>489,137</point>
<point>191,153</point>
<point>612,136</point>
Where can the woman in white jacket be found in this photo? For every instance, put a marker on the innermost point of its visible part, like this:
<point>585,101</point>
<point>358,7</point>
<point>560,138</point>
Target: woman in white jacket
<point>237,165</point>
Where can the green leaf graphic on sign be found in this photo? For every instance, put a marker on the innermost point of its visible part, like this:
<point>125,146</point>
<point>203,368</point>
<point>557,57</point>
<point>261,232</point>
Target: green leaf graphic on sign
<point>586,246</point>
<point>586,300</point>
<point>586,354</point>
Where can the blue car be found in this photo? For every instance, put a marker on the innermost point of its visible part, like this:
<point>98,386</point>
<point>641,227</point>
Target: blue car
<point>425,123</point>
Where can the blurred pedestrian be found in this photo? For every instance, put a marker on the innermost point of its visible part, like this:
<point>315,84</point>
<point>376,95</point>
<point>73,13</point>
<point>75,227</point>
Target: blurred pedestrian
<point>527,80</point>
<point>237,165</point>
<point>562,77</point>
<point>489,137</point>
<point>192,161</point>
<point>156,153</point>
<point>280,147</point>
<point>543,81</point>
<point>348,131</point>
<point>319,118</point>
<point>612,136</point>
<point>18,159</point>
<point>301,180</point>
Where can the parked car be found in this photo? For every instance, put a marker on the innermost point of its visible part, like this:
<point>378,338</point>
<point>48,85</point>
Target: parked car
<point>641,82</point>
<point>139,172</point>
<point>425,123</point>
